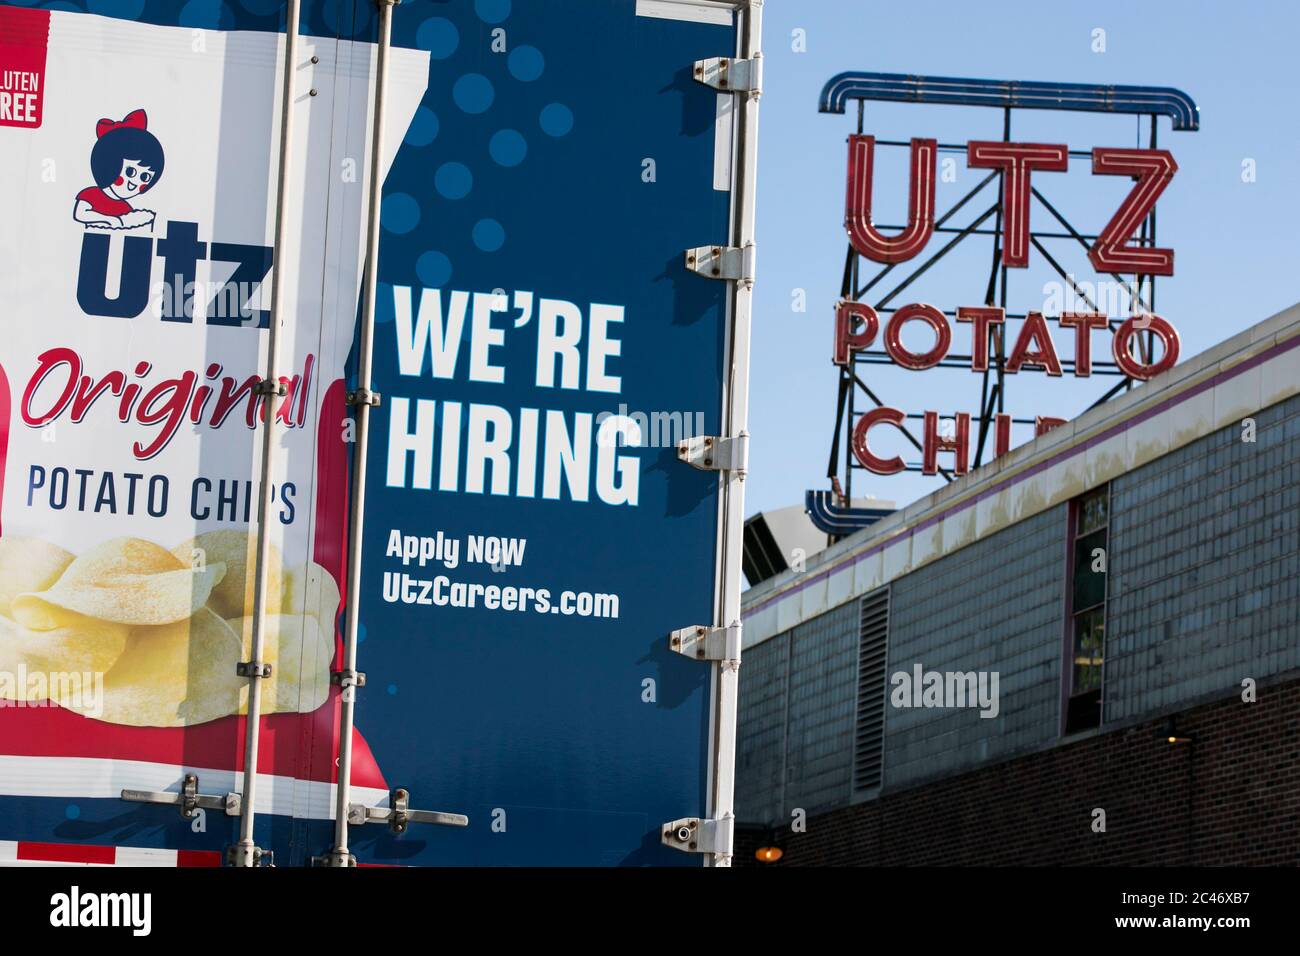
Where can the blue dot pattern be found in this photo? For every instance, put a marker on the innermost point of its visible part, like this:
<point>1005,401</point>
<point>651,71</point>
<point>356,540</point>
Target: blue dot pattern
<point>423,129</point>
<point>556,119</point>
<point>439,36</point>
<point>526,63</point>
<point>492,11</point>
<point>473,93</point>
<point>453,180</point>
<point>508,147</point>
<point>399,213</point>
<point>489,235</point>
<point>433,269</point>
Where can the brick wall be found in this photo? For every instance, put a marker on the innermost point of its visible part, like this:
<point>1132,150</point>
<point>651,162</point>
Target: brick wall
<point>1231,797</point>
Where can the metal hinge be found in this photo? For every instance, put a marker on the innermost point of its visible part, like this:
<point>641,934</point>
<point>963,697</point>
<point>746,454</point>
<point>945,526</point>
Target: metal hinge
<point>252,669</point>
<point>693,835</point>
<point>723,262</point>
<point>348,682</point>
<point>731,75</point>
<point>399,815</point>
<point>260,857</point>
<point>708,643</point>
<point>269,386</point>
<point>712,453</point>
<point>364,396</point>
<point>188,798</point>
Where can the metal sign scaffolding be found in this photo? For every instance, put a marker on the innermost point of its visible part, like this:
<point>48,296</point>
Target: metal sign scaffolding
<point>889,281</point>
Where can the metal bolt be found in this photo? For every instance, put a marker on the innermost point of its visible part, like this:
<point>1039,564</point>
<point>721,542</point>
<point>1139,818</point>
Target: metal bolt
<point>315,59</point>
<point>312,92</point>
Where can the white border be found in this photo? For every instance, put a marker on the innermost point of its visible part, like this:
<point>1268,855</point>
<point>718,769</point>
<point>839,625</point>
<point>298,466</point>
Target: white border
<point>101,778</point>
<point>695,11</point>
<point>734,422</point>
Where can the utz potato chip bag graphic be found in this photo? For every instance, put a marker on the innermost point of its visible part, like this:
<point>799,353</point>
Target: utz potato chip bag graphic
<point>137,284</point>
<point>123,581</point>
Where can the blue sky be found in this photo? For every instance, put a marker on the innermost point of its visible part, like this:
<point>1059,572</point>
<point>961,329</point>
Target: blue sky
<point>1237,244</point>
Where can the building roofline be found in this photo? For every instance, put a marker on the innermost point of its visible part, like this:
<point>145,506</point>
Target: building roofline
<point>1191,400</point>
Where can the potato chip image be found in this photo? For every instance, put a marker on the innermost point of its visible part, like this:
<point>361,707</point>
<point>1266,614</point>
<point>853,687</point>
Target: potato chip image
<point>28,564</point>
<point>125,580</point>
<point>312,590</point>
<point>84,644</point>
<point>300,657</point>
<point>174,675</point>
<point>237,550</point>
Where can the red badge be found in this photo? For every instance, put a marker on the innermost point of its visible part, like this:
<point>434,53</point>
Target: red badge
<point>24,37</point>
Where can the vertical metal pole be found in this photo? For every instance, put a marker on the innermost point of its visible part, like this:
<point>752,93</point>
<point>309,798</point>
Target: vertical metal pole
<point>245,852</point>
<point>1151,299</point>
<point>852,403</point>
<point>986,399</point>
<point>1000,332</point>
<point>339,854</point>
<point>735,419</point>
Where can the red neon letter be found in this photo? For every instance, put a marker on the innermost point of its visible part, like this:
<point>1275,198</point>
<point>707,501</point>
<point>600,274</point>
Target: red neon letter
<point>1016,160</point>
<point>862,451</point>
<point>935,443</point>
<point>1001,434</point>
<point>982,316</point>
<point>932,317</point>
<point>1130,366</point>
<point>1153,168</point>
<point>920,202</point>
<point>1083,323</point>
<point>847,340</point>
<point>1034,330</point>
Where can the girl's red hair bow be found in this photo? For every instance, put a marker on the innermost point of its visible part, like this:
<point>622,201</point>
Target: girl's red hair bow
<point>134,119</point>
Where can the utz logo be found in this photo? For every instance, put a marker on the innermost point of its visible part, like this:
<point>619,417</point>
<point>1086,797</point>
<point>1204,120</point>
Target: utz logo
<point>127,161</point>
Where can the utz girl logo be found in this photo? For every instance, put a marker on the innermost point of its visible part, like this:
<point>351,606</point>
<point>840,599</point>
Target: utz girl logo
<point>127,161</point>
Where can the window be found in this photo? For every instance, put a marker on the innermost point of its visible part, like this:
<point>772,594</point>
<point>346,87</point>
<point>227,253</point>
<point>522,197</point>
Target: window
<point>1086,617</point>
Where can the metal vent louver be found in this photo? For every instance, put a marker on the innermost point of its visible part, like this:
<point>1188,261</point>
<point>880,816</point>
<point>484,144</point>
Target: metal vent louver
<point>869,735</point>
